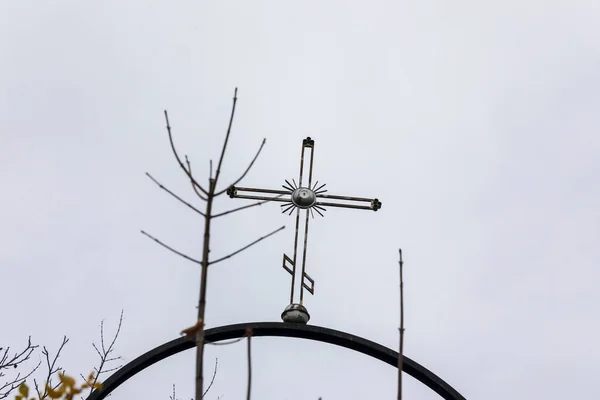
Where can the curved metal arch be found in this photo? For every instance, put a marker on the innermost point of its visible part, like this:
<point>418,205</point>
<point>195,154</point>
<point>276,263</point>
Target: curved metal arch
<point>281,329</point>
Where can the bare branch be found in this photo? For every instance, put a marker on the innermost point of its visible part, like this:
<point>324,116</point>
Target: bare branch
<point>173,396</point>
<point>247,169</point>
<point>18,358</point>
<point>174,195</point>
<point>104,359</point>
<point>112,343</point>
<point>37,389</point>
<point>226,138</point>
<point>172,249</point>
<point>189,164</point>
<point>97,351</point>
<point>52,369</point>
<point>105,371</point>
<point>213,378</point>
<point>244,207</point>
<point>245,247</point>
<point>102,336</point>
<point>249,335</point>
<point>188,173</point>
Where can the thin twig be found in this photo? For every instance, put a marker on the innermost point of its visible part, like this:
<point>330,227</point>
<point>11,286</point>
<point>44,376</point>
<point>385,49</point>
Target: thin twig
<point>170,248</point>
<point>226,139</point>
<point>243,207</point>
<point>213,377</point>
<point>249,335</point>
<point>401,352</point>
<point>188,173</point>
<point>173,396</point>
<point>174,195</point>
<point>189,164</point>
<point>247,169</point>
<point>245,247</point>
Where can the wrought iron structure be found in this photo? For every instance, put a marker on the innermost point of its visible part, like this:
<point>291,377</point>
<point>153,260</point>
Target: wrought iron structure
<point>316,333</point>
<point>296,197</point>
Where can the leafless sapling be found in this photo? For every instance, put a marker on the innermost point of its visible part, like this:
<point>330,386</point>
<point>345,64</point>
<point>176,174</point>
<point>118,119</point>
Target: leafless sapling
<point>401,330</point>
<point>208,195</point>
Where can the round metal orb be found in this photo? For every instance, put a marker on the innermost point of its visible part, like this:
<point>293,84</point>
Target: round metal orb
<point>295,314</point>
<point>304,197</point>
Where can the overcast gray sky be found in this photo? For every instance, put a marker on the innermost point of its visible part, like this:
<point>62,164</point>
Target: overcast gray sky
<point>475,123</point>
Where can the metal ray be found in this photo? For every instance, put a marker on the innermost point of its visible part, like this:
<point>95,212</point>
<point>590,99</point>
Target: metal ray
<point>290,185</point>
<point>320,187</point>
<point>290,206</point>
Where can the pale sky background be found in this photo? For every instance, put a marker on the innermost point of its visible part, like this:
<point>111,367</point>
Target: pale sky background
<point>475,123</point>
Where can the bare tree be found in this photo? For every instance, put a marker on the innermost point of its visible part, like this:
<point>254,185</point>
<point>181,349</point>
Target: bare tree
<point>401,353</point>
<point>15,362</point>
<point>196,332</point>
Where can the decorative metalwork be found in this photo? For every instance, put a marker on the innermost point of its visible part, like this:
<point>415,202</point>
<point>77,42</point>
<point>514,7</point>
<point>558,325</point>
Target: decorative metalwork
<point>297,197</point>
<point>278,329</point>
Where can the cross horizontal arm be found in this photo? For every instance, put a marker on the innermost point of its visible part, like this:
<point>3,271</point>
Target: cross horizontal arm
<point>235,189</point>
<point>278,198</point>
<point>331,196</point>
<point>327,204</point>
<point>375,203</point>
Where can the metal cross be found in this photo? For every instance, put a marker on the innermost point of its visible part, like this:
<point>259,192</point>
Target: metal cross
<point>309,198</point>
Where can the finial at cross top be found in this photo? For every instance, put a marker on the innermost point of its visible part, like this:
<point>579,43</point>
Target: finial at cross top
<point>309,198</point>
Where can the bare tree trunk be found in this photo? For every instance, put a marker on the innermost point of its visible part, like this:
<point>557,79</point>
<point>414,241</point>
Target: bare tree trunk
<point>202,301</point>
<point>401,352</point>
